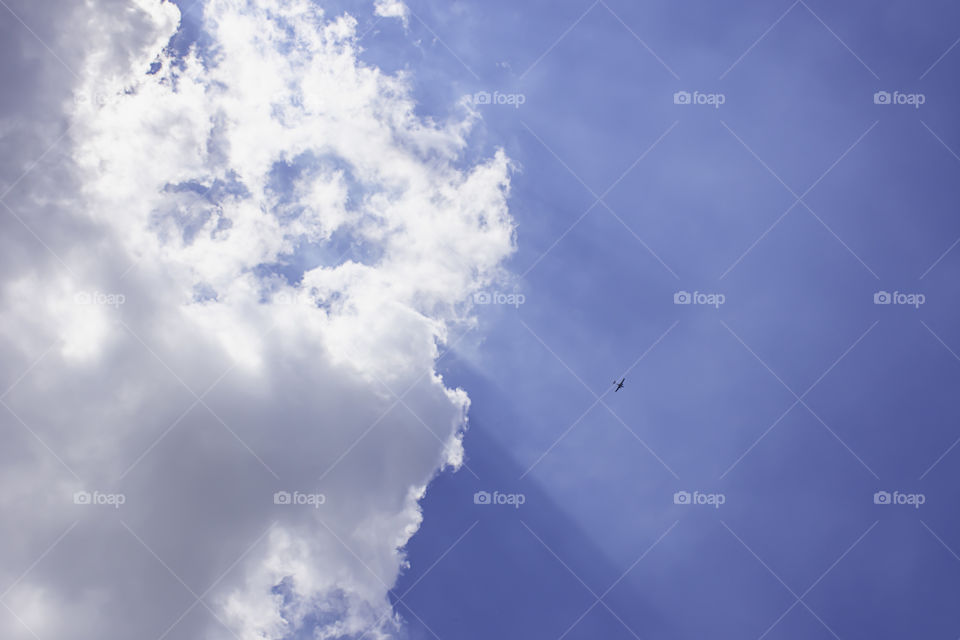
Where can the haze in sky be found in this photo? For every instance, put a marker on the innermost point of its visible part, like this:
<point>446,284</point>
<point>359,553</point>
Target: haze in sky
<point>313,315</point>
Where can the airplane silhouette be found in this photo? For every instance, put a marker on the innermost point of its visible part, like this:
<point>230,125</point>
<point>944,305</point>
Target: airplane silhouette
<point>619,384</point>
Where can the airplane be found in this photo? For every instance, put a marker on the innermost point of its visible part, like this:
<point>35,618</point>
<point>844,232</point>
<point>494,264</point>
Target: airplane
<point>619,384</point>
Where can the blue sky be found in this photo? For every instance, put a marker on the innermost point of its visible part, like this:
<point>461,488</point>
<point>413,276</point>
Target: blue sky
<point>799,519</point>
<point>235,246</point>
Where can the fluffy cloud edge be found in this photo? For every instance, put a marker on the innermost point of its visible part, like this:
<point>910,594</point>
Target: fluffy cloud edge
<point>174,205</point>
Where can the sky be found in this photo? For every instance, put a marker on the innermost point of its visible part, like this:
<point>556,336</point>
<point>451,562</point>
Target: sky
<point>311,312</point>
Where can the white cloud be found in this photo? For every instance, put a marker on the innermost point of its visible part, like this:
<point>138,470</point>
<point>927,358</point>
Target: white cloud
<point>182,191</point>
<point>392,9</point>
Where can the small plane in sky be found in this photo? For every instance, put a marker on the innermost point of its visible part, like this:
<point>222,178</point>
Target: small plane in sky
<point>619,384</point>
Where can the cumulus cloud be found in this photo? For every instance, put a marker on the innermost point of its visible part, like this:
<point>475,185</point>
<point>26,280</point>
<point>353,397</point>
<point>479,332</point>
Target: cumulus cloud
<point>226,278</point>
